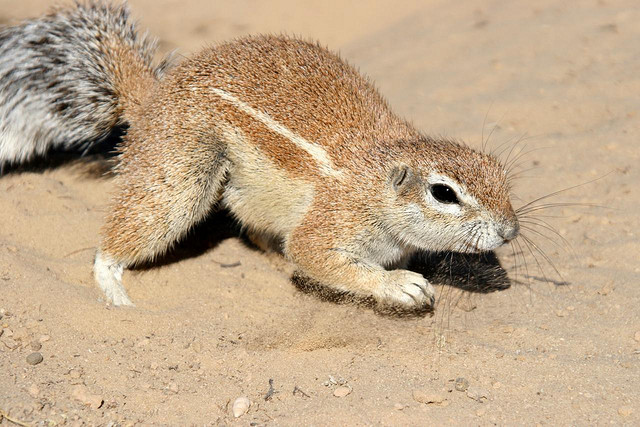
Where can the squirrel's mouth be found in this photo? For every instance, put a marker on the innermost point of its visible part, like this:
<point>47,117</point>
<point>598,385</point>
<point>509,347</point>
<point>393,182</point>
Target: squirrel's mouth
<point>485,244</point>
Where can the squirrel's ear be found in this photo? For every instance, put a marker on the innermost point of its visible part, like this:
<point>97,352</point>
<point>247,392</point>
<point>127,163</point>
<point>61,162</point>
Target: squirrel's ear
<point>399,176</point>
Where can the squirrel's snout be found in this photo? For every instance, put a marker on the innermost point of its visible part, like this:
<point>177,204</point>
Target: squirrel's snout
<point>509,231</point>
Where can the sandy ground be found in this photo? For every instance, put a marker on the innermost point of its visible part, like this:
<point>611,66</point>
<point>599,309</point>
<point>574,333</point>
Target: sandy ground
<point>563,76</point>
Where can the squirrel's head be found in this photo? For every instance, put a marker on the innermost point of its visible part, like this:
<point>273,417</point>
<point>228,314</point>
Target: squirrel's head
<point>449,197</point>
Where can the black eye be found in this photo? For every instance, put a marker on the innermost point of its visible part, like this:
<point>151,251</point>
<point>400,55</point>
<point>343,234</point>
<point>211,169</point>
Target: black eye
<point>443,193</point>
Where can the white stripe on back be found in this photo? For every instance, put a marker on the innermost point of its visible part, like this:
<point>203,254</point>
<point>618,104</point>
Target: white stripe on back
<point>318,153</point>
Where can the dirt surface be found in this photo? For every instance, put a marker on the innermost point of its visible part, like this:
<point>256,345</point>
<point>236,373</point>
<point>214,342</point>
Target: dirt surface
<point>220,320</point>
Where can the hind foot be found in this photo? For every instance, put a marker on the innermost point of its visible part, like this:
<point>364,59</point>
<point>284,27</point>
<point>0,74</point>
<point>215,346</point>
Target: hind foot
<point>108,274</point>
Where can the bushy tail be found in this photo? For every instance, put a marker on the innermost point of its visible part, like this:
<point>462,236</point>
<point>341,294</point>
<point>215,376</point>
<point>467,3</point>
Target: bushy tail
<point>70,77</point>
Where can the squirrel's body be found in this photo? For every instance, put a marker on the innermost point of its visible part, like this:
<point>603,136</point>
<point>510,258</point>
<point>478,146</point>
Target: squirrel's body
<point>299,147</point>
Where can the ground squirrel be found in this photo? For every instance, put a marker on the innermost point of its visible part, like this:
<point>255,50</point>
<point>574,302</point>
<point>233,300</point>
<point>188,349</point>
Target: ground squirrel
<point>292,140</point>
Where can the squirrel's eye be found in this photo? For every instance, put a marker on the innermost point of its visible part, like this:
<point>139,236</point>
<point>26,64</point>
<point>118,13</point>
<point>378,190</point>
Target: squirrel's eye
<point>443,193</point>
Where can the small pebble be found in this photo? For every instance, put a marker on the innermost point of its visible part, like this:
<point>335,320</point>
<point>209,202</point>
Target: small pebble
<point>10,343</point>
<point>398,406</point>
<point>20,334</point>
<point>33,391</point>
<point>34,358</point>
<point>341,391</point>
<point>562,313</point>
<point>428,398</point>
<point>44,338</point>
<point>478,394</point>
<point>75,374</point>
<point>338,381</point>
<point>607,289</point>
<point>240,406</point>
<point>81,393</point>
<point>462,384</point>
<point>35,345</point>
<point>636,336</point>
<point>143,342</point>
<point>625,411</point>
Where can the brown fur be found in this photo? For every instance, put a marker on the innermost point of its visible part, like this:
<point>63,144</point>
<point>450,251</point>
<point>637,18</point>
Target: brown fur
<point>297,145</point>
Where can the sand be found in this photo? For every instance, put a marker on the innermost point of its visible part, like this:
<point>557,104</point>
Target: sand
<point>558,80</point>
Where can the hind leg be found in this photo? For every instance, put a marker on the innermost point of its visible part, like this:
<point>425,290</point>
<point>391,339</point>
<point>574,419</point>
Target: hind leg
<point>162,195</point>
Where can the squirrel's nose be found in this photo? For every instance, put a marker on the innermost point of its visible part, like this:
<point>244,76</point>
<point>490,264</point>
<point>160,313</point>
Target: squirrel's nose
<point>509,231</point>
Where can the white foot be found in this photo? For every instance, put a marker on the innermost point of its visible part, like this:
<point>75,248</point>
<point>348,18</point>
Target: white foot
<point>408,290</point>
<point>108,274</point>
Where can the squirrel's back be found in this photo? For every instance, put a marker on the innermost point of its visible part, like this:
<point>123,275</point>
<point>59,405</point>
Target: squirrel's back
<point>69,77</point>
<point>303,105</point>
<point>302,84</point>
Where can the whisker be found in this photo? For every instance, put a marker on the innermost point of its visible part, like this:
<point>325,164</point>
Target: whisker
<point>478,236</point>
<point>515,263</point>
<point>524,259</point>
<point>445,295</point>
<point>543,224</point>
<point>555,193</point>
<point>484,122</point>
<point>538,215</point>
<point>539,233</point>
<point>527,276</point>
<point>528,209</point>
<point>511,166</point>
<point>511,174</point>
<point>519,139</point>
<point>520,174</point>
<point>510,161</point>
<point>535,258</point>
<point>493,129</point>
<point>528,241</point>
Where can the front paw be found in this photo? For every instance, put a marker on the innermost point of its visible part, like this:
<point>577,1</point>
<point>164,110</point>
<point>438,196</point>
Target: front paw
<point>407,290</point>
